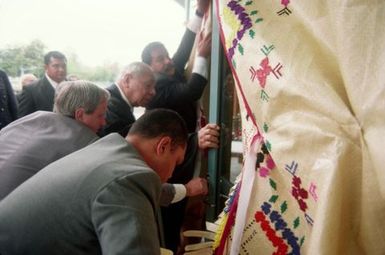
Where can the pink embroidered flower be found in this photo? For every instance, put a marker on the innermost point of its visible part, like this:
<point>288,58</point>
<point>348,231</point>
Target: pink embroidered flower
<point>285,2</point>
<point>263,171</point>
<point>269,162</point>
<point>263,72</point>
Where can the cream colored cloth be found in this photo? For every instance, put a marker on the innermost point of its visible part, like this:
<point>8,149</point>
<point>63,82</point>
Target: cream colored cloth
<point>312,74</point>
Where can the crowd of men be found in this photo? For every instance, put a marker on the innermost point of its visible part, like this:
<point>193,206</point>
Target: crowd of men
<point>79,174</point>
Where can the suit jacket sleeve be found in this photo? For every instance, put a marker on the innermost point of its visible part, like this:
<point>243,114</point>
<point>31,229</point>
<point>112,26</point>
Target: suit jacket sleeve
<point>11,97</point>
<point>171,92</point>
<point>26,103</point>
<point>37,96</point>
<point>167,194</point>
<point>183,52</point>
<point>124,216</point>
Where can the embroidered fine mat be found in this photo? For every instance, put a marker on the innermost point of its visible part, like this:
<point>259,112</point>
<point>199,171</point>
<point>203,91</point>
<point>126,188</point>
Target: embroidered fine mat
<point>310,78</point>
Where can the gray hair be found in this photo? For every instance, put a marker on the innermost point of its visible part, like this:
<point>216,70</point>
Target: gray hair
<point>136,69</point>
<point>27,79</point>
<point>72,95</point>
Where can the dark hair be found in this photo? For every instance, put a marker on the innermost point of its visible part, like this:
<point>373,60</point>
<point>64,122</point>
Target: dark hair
<point>54,54</point>
<point>161,122</point>
<point>146,53</point>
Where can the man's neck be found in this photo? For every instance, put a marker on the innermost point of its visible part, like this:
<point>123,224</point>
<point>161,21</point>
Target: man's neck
<point>52,82</point>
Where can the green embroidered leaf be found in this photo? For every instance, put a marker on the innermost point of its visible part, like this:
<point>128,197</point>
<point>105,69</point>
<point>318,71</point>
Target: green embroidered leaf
<point>258,20</point>
<point>268,145</point>
<point>249,2</point>
<point>283,207</point>
<point>273,184</point>
<point>265,127</point>
<point>234,64</point>
<point>240,49</point>
<point>252,33</point>
<point>302,241</point>
<point>253,13</point>
<point>296,222</point>
<point>264,95</point>
<point>273,198</point>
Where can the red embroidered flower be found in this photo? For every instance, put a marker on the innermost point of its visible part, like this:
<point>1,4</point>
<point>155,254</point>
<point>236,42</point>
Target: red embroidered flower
<point>294,192</point>
<point>296,181</point>
<point>302,205</point>
<point>303,193</point>
<point>259,216</point>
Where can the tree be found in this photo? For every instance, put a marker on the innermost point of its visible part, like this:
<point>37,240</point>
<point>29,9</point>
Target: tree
<point>21,59</point>
<point>102,75</point>
<point>18,60</point>
<point>106,73</point>
<point>34,57</point>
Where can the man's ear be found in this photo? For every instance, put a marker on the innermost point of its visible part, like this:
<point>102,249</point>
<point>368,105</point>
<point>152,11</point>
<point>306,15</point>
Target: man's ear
<point>79,113</point>
<point>127,79</point>
<point>163,145</point>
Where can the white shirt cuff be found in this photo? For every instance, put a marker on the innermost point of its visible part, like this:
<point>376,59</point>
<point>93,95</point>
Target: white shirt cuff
<point>180,193</point>
<point>195,24</point>
<point>200,66</point>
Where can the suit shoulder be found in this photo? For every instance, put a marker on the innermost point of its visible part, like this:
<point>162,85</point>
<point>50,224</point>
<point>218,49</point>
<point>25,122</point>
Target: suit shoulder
<point>33,86</point>
<point>163,82</point>
<point>112,88</point>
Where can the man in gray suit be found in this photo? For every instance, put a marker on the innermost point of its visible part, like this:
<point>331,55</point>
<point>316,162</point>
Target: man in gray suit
<point>40,94</point>
<point>102,199</point>
<point>34,141</point>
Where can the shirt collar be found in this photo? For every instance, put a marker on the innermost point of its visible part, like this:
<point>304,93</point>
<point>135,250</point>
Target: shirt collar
<point>53,83</point>
<point>124,96</point>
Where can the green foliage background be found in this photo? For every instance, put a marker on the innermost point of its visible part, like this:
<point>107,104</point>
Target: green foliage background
<point>18,59</point>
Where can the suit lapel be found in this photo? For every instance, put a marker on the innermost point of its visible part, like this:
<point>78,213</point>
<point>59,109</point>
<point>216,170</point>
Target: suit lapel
<point>45,95</point>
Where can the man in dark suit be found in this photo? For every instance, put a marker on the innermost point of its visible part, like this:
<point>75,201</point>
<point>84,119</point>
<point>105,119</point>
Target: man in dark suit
<point>134,87</point>
<point>102,199</point>
<point>8,106</point>
<point>34,141</point>
<point>174,91</point>
<point>40,95</point>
